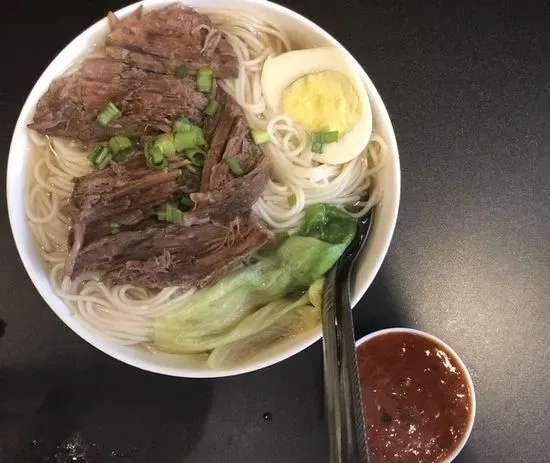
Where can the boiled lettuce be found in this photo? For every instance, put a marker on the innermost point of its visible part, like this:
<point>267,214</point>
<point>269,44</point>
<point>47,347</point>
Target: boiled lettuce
<point>227,311</point>
<point>288,323</point>
<point>292,324</point>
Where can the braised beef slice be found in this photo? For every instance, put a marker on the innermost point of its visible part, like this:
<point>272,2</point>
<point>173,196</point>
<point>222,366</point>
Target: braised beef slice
<point>211,122</point>
<point>123,195</point>
<point>124,188</point>
<point>165,255</point>
<point>164,39</point>
<point>223,195</point>
<point>148,102</point>
<point>218,131</point>
<point>234,198</point>
<point>200,266</point>
<point>240,147</point>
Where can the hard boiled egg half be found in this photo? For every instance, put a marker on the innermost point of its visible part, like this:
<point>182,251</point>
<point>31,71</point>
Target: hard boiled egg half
<point>319,89</point>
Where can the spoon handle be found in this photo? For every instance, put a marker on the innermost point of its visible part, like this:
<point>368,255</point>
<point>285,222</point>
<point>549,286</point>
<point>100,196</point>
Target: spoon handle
<point>331,371</point>
<point>355,446</point>
<point>342,388</point>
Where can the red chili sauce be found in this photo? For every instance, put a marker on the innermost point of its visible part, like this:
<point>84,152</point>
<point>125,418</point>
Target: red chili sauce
<point>416,400</point>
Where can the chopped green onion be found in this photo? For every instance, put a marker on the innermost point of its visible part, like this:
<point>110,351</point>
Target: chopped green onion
<point>166,143</point>
<point>317,148</point>
<point>292,200</point>
<point>211,108</point>
<point>119,143</point>
<point>184,140</point>
<point>170,213</point>
<point>186,201</point>
<point>181,70</point>
<point>114,228</point>
<point>204,80</point>
<point>196,156</point>
<point>100,157</point>
<point>156,154</point>
<point>260,136</point>
<point>92,155</point>
<point>107,114</point>
<point>192,138</point>
<point>182,125</point>
<point>121,147</point>
<point>103,162</point>
<point>201,141</point>
<point>123,156</point>
<point>154,157</point>
<point>235,167</point>
<point>330,136</point>
<point>317,142</point>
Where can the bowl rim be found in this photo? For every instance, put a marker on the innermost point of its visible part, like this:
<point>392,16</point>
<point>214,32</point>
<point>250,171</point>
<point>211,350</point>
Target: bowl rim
<point>37,272</point>
<point>469,382</point>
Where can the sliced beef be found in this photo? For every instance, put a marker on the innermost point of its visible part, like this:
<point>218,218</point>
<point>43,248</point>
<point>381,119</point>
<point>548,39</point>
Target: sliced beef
<point>234,198</point>
<point>218,131</point>
<point>164,39</point>
<point>223,195</point>
<point>148,102</point>
<point>138,77</point>
<point>240,147</point>
<point>165,255</point>
<point>124,188</point>
<point>123,194</point>
<point>211,122</point>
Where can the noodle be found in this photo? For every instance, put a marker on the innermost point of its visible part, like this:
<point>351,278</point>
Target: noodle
<point>125,313</point>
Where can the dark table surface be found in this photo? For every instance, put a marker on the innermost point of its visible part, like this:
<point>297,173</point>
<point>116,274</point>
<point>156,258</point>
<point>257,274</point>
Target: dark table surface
<point>466,86</point>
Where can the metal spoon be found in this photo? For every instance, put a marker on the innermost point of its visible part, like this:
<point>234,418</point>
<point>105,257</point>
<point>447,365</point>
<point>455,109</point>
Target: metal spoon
<point>344,410</point>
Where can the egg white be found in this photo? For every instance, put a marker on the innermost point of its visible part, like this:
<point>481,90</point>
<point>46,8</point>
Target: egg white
<point>281,71</point>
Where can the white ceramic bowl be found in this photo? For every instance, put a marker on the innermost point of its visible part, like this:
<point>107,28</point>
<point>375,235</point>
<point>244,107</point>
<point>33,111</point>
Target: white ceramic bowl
<point>457,359</point>
<point>304,32</point>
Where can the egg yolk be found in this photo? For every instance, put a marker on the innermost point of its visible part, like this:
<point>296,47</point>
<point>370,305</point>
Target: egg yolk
<point>322,100</point>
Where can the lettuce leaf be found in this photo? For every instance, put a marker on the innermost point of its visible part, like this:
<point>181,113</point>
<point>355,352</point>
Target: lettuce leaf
<point>291,325</point>
<point>281,324</point>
